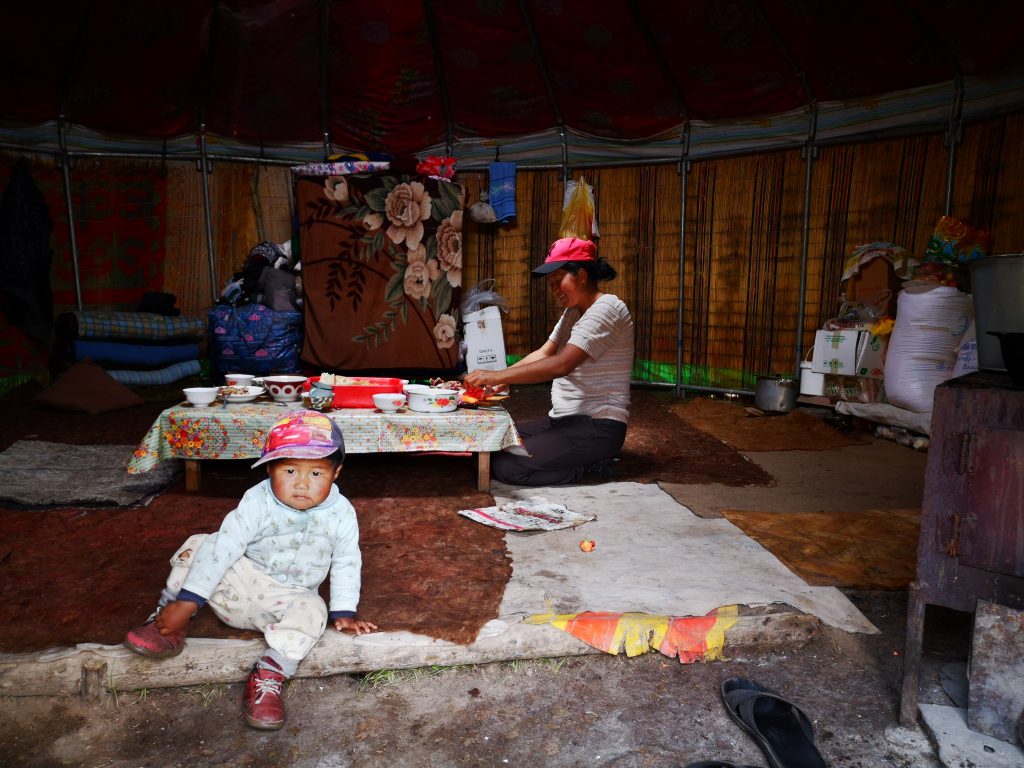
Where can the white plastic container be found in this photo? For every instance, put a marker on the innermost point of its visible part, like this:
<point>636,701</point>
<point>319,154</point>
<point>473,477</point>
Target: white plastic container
<point>811,384</point>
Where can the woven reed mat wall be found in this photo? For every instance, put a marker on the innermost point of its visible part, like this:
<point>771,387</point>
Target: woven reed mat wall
<point>744,217</point>
<point>793,431</point>
<point>743,237</point>
<point>243,201</point>
<point>869,549</point>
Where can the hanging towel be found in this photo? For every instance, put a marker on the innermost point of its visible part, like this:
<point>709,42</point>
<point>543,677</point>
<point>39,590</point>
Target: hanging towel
<point>503,191</point>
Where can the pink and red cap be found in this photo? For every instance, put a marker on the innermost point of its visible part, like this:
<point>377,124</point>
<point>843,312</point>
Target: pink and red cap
<point>303,435</point>
<point>565,251</point>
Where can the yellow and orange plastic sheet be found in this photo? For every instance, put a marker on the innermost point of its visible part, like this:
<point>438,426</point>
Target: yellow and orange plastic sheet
<point>690,638</point>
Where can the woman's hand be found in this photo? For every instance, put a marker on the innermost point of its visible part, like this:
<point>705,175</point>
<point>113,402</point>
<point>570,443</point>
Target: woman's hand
<point>175,616</point>
<point>486,380</point>
<point>356,626</point>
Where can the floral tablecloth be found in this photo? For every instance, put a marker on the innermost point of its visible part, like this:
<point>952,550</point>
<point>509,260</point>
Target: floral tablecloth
<point>239,431</point>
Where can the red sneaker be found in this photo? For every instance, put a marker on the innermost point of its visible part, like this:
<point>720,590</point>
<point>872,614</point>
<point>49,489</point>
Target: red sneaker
<point>264,702</point>
<point>147,641</point>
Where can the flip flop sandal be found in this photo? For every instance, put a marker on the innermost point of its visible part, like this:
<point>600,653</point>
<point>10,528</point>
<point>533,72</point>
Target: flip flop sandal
<point>778,726</point>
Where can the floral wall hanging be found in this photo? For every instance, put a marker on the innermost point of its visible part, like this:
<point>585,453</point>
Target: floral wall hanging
<point>382,271</point>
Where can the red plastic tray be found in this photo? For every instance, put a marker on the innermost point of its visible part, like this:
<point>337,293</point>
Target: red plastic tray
<point>359,395</point>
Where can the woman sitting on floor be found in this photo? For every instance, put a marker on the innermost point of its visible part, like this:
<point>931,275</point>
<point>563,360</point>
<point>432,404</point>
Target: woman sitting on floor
<point>589,360</point>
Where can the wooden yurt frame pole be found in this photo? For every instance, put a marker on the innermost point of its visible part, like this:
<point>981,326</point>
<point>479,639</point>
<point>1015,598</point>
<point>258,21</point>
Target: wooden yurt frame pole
<point>954,135</point>
<point>442,81</point>
<point>549,90</point>
<point>206,168</point>
<point>810,152</point>
<point>324,44</point>
<point>684,175</point>
<point>65,167</point>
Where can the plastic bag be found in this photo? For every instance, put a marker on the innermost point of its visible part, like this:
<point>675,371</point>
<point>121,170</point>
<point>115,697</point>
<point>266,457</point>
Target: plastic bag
<point>578,216</point>
<point>482,295</point>
<point>957,241</point>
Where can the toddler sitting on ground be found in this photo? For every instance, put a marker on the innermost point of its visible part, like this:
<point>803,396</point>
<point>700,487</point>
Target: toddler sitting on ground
<point>263,568</point>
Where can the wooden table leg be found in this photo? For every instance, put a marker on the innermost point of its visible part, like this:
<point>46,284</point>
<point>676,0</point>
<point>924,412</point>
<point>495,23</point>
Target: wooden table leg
<point>193,478</point>
<point>483,471</point>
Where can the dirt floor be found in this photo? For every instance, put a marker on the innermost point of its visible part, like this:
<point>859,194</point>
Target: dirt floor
<point>646,712</point>
<point>585,711</point>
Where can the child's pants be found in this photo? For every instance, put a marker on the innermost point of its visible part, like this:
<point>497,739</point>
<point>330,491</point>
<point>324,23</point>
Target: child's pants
<point>291,619</point>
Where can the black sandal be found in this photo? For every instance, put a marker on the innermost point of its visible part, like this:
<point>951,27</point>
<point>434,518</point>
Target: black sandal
<point>778,726</point>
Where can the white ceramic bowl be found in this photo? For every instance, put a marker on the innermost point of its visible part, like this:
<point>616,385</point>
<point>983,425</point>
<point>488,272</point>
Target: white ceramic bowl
<point>238,379</point>
<point>284,388</point>
<point>424,399</point>
<point>389,402</point>
<point>200,397</point>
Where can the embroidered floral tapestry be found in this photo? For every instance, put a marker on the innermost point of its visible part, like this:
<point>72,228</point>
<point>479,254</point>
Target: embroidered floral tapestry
<point>381,272</point>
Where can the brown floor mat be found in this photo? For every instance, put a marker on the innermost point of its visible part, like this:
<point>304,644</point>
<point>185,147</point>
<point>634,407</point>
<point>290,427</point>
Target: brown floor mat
<point>87,575</point>
<point>793,431</point>
<point>872,549</point>
<point>78,575</point>
<point>660,446</point>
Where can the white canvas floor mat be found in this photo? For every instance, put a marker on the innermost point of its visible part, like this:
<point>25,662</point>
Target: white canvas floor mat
<point>653,555</point>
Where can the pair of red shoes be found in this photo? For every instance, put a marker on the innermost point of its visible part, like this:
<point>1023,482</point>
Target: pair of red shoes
<point>264,690</point>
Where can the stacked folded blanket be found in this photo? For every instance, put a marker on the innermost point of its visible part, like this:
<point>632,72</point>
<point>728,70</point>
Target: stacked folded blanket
<point>139,348</point>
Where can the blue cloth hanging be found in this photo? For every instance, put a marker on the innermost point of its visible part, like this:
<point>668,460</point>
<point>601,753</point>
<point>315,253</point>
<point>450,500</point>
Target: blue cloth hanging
<point>503,191</point>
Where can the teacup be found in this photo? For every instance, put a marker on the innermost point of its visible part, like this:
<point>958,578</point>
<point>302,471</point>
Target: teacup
<point>238,379</point>
<point>389,402</point>
<point>200,397</point>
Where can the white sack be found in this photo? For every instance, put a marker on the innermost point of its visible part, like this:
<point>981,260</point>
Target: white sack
<point>931,319</point>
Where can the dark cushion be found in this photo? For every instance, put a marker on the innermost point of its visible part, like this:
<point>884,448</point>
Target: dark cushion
<point>86,388</point>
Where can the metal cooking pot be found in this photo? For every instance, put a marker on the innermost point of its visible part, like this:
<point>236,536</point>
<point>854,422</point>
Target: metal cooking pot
<point>776,395</point>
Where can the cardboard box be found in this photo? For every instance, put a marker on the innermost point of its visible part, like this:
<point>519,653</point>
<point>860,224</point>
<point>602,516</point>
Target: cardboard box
<point>485,340</point>
<point>871,355</point>
<point>835,352</point>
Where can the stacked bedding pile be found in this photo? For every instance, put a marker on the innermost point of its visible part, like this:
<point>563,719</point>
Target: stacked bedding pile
<point>135,348</point>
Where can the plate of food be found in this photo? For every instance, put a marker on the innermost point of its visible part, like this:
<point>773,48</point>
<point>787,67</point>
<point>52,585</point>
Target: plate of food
<point>239,394</point>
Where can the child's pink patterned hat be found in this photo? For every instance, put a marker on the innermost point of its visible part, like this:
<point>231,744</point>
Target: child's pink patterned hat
<point>303,435</point>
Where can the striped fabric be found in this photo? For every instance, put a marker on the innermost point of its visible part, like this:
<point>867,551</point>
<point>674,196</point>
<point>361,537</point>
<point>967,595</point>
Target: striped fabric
<point>167,375</point>
<point>688,638</point>
<point>137,325</point>
<point>598,387</point>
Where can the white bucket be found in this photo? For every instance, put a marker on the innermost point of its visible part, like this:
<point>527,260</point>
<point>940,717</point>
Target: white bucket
<point>811,383</point>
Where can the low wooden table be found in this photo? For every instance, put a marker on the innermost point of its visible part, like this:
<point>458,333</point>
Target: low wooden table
<point>238,431</point>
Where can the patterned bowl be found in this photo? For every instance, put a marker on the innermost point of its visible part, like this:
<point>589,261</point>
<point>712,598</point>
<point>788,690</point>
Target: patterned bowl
<point>284,388</point>
<point>317,402</point>
<point>424,399</point>
<point>389,402</point>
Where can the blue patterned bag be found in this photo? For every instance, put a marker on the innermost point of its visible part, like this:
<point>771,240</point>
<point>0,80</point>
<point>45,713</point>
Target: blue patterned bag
<point>252,338</point>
